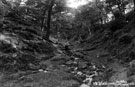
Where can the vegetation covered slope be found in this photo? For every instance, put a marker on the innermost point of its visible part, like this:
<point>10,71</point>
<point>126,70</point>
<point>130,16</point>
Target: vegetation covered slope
<point>78,53</point>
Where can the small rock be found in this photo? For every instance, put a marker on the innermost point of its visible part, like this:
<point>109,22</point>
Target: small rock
<point>40,70</point>
<point>79,73</point>
<point>82,64</point>
<point>84,85</point>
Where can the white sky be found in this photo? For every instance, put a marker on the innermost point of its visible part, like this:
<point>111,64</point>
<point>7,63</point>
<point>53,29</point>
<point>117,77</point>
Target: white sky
<point>76,3</point>
<point>70,3</point>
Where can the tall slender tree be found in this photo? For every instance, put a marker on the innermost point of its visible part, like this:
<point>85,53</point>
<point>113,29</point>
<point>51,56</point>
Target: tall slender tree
<point>51,4</point>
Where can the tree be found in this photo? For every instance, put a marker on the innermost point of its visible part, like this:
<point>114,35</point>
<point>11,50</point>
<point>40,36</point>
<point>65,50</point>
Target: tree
<point>35,13</point>
<point>134,9</point>
<point>89,16</point>
<point>49,19</point>
<point>117,4</point>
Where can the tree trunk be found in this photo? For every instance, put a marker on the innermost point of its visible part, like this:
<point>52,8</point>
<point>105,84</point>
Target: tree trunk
<point>134,2</point>
<point>49,20</point>
<point>43,20</point>
<point>134,11</point>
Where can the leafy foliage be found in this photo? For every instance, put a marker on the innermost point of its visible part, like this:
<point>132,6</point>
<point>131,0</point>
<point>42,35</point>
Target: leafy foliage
<point>45,35</point>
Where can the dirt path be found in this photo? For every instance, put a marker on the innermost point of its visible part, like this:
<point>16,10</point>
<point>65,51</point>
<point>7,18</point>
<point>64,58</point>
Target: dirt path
<point>120,74</point>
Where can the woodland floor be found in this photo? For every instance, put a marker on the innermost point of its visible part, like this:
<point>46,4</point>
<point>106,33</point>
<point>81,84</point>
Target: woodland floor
<point>82,65</point>
<point>69,70</point>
